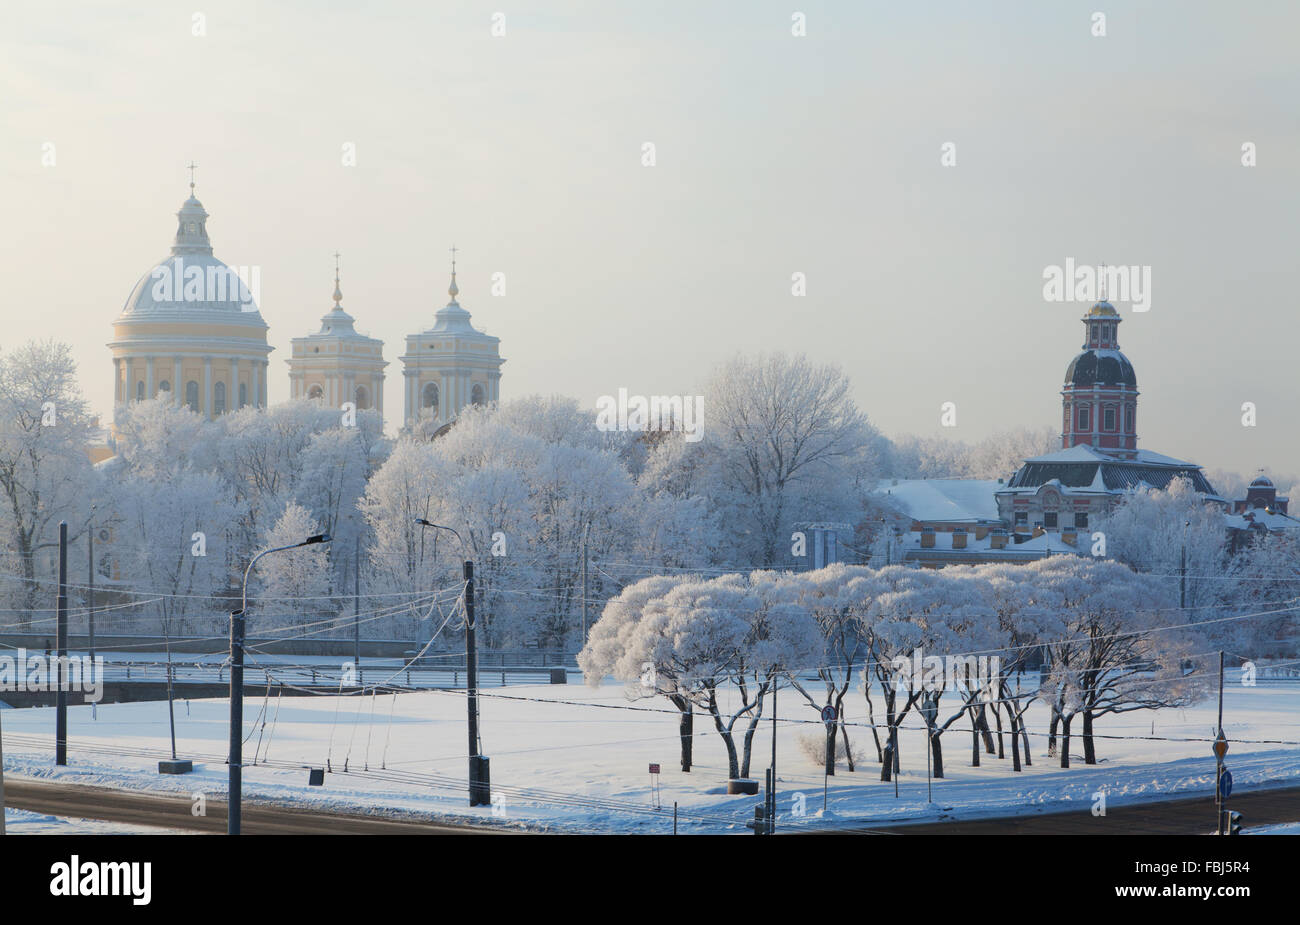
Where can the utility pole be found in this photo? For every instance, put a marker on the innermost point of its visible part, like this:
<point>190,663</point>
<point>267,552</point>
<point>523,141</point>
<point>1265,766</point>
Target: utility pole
<point>1182,570</point>
<point>480,788</point>
<point>90,588</point>
<point>234,794</point>
<point>1220,749</point>
<point>771,787</point>
<point>356,602</point>
<point>61,646</point>
<point>583,640</point>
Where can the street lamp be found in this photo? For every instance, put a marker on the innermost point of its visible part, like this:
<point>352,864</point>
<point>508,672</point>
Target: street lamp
<point>237,618</point>
<point>480,789</point>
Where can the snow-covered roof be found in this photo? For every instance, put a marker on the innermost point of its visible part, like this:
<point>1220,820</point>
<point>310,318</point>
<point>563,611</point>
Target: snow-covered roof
<point>1273,522</point>
<point>943,500</point>
<point>1084,453</point>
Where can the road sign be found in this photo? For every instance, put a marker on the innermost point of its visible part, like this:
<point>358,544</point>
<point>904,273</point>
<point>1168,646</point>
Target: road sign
<point>828,714</point>
<point>1220,746</point>
<point>1225,784</point>
<point>654,769</point>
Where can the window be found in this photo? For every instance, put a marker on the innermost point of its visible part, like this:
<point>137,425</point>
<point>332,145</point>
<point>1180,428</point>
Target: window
<point>1081,519</point>
<point>1085,422</point>
<point>429,398</point>
<point>139,391</point>
<point>164,386</point>
<point>476,395</point>
<point>315,393</point>
<point>362,398</point>
<point>219,398</point>
<point>192,395</point>
<point>1049,518</point>
<point>1128,418</point>
<point>1108,419</point>
<point>1022,517</point>
<point>243,394</point>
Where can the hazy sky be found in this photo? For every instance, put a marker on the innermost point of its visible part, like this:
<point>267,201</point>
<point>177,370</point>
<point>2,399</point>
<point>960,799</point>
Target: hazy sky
<point>775,155</point>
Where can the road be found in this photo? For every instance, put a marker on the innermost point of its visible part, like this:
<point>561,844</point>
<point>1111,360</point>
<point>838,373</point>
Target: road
<point>173,811</point>
<point>1193,816</point>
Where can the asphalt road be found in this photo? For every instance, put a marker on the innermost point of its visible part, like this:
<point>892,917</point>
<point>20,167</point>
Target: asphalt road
<point>173,811</point>
<point>1193,816</point>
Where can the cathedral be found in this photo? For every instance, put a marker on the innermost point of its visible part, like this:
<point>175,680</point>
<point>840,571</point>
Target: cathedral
<point>191,331</point>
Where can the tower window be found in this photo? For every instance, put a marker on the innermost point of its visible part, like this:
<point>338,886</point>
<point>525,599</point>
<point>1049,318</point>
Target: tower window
<point>164,386</point>
<point>192,395</point>
<point>315,393</point>
<point>139,391</point>
<point>1049,518</point>
<point>1108,419</point>
<point>362,398</point>
<point>1085,420</point>
<point>476,395</point>
<point>219,398</point>
<point>429,397</point>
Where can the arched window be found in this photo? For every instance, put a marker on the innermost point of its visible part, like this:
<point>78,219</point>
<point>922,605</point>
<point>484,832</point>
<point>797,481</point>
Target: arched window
<point>139,390</point>
<point>429,398</point>
<point>362,398</point>
<point>315,393</point>
<point>219,398</point>
<point>164,386</point>
<point>476,395</point>
<point>1084,419</point>
<point>243,394</point>
<point>192,395</point>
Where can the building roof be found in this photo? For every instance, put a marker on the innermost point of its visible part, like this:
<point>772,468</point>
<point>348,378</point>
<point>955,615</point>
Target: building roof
<point>1100,368</point>
<point>192,283</point>
<point>979,550</point>
<point>1086,467</point>
<point>943,500</point>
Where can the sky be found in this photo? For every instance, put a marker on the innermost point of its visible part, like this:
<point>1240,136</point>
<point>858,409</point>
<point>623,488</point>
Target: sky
<point>775,154</point>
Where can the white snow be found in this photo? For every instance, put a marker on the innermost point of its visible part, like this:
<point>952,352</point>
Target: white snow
<point>572,758</point>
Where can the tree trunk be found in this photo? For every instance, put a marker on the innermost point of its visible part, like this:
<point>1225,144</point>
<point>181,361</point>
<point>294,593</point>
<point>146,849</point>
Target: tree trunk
<point>936,753</point>
<point>1015,740</point>
<point>974,742</point>
<point>1051,733</point>
<point>1065,740</point>
<point>1024,731</point>
<point>686,730</point>
<point>1089,748</point>
<point>848,750</point>
<point>983,726</point>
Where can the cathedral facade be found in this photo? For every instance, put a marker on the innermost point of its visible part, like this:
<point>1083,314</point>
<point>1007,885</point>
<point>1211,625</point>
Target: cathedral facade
<point>190,329</point>
<point>191,332</point>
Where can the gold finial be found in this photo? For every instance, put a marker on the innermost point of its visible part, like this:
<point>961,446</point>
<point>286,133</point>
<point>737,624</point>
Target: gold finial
<point>192,167</point>
<point>338,293</point>
<point>1103,282</point>
<point>453,290</point>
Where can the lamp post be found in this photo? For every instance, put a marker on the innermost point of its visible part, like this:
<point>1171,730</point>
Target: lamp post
<point>237,626</point>
<point>480,788</point>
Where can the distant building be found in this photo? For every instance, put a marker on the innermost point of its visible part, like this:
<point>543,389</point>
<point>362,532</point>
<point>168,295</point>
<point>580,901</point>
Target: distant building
<point>338,364</point>
<point>450,365</point>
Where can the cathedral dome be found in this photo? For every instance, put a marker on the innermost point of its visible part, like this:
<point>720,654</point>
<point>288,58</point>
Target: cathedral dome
<point>1262,481</point>
<point>1100,368</point>
<point>192,282</point>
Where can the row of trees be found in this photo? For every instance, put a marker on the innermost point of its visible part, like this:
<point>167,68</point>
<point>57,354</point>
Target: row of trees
<point>1103,639</point>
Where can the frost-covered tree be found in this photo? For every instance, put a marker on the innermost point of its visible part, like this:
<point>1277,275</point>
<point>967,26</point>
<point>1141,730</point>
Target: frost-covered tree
<point>794,447</point>
<point>45,473</point>
<point>295,580</point>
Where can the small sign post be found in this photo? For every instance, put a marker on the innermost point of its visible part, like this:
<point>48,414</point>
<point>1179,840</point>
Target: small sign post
<point>654,786</point>
<point>1220,794</point>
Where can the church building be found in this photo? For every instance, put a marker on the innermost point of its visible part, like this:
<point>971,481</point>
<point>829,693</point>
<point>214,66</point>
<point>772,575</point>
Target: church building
<point>190,329</point>
<point>450,365</point>
<point>338,364</point>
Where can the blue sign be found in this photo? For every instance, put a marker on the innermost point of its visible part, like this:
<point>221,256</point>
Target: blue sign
<point>1225,784</point>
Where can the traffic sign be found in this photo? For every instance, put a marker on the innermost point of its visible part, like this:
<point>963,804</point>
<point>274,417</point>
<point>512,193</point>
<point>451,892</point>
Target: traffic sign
<point>654,769</point>
<point>1220,746</point>
<point>828,714</point>
<point>1225,784</point>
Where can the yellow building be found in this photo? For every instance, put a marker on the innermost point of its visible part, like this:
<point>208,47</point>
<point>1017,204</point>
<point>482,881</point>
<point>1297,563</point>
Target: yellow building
<point>190,328</point>
<point>338,364</point>
<point>450,365</point>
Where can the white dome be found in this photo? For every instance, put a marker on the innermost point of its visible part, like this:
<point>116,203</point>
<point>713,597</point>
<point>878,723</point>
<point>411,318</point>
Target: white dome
<point>192,282</point>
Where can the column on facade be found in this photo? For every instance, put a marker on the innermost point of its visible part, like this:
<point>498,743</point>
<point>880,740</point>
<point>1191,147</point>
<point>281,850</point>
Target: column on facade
<point>117,380</point>
<point>130,379</point>
<point>207,387</point>
<point>148,378</point>
<point>178,381</point>
<point>232,387</point>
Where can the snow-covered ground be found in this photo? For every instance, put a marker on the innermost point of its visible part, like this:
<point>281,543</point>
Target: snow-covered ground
<point>573,758</point>
<point>21,822</point>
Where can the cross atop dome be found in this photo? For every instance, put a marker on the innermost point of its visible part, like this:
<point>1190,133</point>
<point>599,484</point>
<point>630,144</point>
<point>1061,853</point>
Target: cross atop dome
<point>453,290</point>
<point>192,167</point>
<point>338,293</point>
